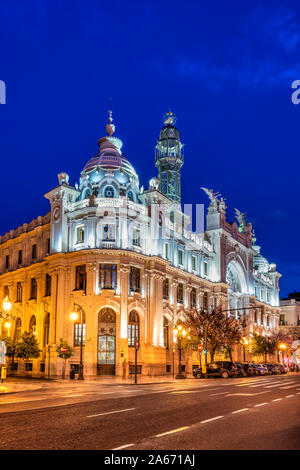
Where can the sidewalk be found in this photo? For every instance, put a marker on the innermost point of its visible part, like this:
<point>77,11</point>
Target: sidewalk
<point>15,387</point>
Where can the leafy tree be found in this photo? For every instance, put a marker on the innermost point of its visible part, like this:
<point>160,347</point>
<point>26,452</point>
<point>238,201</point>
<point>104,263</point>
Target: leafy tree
<point>9,345</point>
<point>27,347</point>
<point>214,330</point>
<point>64,355</point>
<point>263,345</point>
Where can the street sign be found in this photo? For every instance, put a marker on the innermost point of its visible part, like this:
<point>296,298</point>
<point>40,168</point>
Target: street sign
<point>200,347</point>
<point>63,350</point>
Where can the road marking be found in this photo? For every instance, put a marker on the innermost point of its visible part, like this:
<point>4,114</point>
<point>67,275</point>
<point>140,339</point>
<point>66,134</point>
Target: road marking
<point>123,447</point>
<point>277,399</point>
<point>211,419</point>
<point>184,391</point>
<point>111,412</point>
<point>289,386</point>
<point>172,432</point>
<point>261,404</point>
<point>240,411</point>
<point>215,394</point>
<point>278,384</point>
<point>288,396</point>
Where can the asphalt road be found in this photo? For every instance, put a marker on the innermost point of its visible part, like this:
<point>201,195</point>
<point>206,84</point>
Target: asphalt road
<point>245,413</point>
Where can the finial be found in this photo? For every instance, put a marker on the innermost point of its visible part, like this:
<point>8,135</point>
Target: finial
<point>110,127</point>
<point>169,118</point>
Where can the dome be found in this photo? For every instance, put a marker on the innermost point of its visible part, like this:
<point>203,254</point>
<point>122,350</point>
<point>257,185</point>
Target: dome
<point>109,168</point>
<point>169,132</point>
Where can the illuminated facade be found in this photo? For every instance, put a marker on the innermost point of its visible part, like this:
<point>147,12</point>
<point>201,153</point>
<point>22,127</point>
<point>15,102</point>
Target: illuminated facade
<point>126,259</point>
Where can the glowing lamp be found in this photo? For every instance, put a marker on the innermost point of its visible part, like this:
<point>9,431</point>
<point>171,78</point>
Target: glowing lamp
<point>6,304</point>
<point>74,316</point>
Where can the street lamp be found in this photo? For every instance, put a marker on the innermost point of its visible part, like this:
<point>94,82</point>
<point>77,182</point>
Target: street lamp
<point>74,316</point>
<point>282,348</point>
<point>181,333</point>
<point>244,343</point>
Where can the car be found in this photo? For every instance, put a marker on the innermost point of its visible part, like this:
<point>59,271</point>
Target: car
<point>223,369</point>
<point>249,368</point>
<point>261,369</point>
<point>282,368</point>
<point>241,369</point>
<point>272,369</point>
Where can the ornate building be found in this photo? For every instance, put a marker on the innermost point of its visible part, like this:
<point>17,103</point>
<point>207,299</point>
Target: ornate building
<point>124,258</point>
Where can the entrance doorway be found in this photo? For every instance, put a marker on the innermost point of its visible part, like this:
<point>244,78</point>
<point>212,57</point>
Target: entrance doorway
<point>106,355</point>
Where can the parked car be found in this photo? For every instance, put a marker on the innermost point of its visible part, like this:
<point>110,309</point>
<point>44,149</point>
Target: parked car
<point>249,368</point>
<point>282,368</point>
<point>223,369</point>
<point>261,369</point>
<point>241,369</point>
<point>272,369</point>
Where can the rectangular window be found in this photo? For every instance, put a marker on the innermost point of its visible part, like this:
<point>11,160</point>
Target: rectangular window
<point>20,257</point>
<point>205,268</point>
<point>19,292</point>
<point>48,285</point>
<point>136,241</point>
<point>77,334</point>
<point>28,366</point>
<point>166,289</point>
<point>109,233</point>
<point>193,297</point>
<point>80,277</point>
<point>7,262</point>
<point>33,289</point>
<point>194,263</point>
<point>42,367</point>
<point>108,276</point>
<point>180,257</point>
<point>6,291</point>
<point>33,251</point>
<point>48,246</point>
<point>166,251</point>
<point>180,294</point>
<point>80,234</point>
<point>268,296</point>
<point>135,279</point>
<point>205,301</point>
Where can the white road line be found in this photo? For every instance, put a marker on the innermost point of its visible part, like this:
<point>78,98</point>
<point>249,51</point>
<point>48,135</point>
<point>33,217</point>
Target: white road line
<point>261,404</point>
<point>288,396</point>
<point>111,412</point>
<point>211,419</point>
<point>215,394</point>
<point>123,447</point>
<point>278,384</point>
<point>240,411</point>
<point>277,399</point>
<point>289,386</point>
<point>172,432</point>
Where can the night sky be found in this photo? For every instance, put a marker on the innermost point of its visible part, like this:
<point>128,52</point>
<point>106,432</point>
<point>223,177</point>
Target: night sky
<point>224,68</point>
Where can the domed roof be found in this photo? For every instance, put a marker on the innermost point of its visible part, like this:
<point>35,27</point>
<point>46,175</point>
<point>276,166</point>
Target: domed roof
<point>110,156</point>
<point>169,131</point>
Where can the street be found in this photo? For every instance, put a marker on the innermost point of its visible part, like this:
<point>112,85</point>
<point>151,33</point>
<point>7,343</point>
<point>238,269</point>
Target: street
<point>241,413</point>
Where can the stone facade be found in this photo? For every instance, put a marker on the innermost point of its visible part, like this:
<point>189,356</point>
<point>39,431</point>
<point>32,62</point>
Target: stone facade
<point>125,258</point>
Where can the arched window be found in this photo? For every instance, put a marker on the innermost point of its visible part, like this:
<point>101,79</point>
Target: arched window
<point>166,333</point>
<point>32,325</point>
<point>109,191</point>
<point>46,329</point>
<point>17,335</point>
<point>78,334</point>
<point>130,196</point>
<point>133,328</point>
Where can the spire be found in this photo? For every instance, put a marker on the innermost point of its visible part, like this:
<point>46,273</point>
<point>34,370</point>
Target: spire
<point>110,127</point>
<point>170,118</point>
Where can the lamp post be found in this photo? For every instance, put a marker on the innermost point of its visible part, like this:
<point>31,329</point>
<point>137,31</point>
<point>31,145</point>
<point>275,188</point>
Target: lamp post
<point>244,343</point>
<point>181,333</point>
<point>74,316</point>
<point>5,315</point>
<point>282,348</point>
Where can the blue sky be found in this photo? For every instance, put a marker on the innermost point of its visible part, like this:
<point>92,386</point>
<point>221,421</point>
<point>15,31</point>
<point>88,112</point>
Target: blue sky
<point>224,68</point>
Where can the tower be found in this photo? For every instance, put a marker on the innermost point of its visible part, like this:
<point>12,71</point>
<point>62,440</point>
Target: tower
<point>169,159</point>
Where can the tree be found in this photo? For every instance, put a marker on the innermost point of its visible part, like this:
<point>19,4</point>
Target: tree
<point>27,347</point>
<point>231,334</point>
<point>216,331</point>
<point>263,345</point>
<point>9,345</point>
<point>64,355</point>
